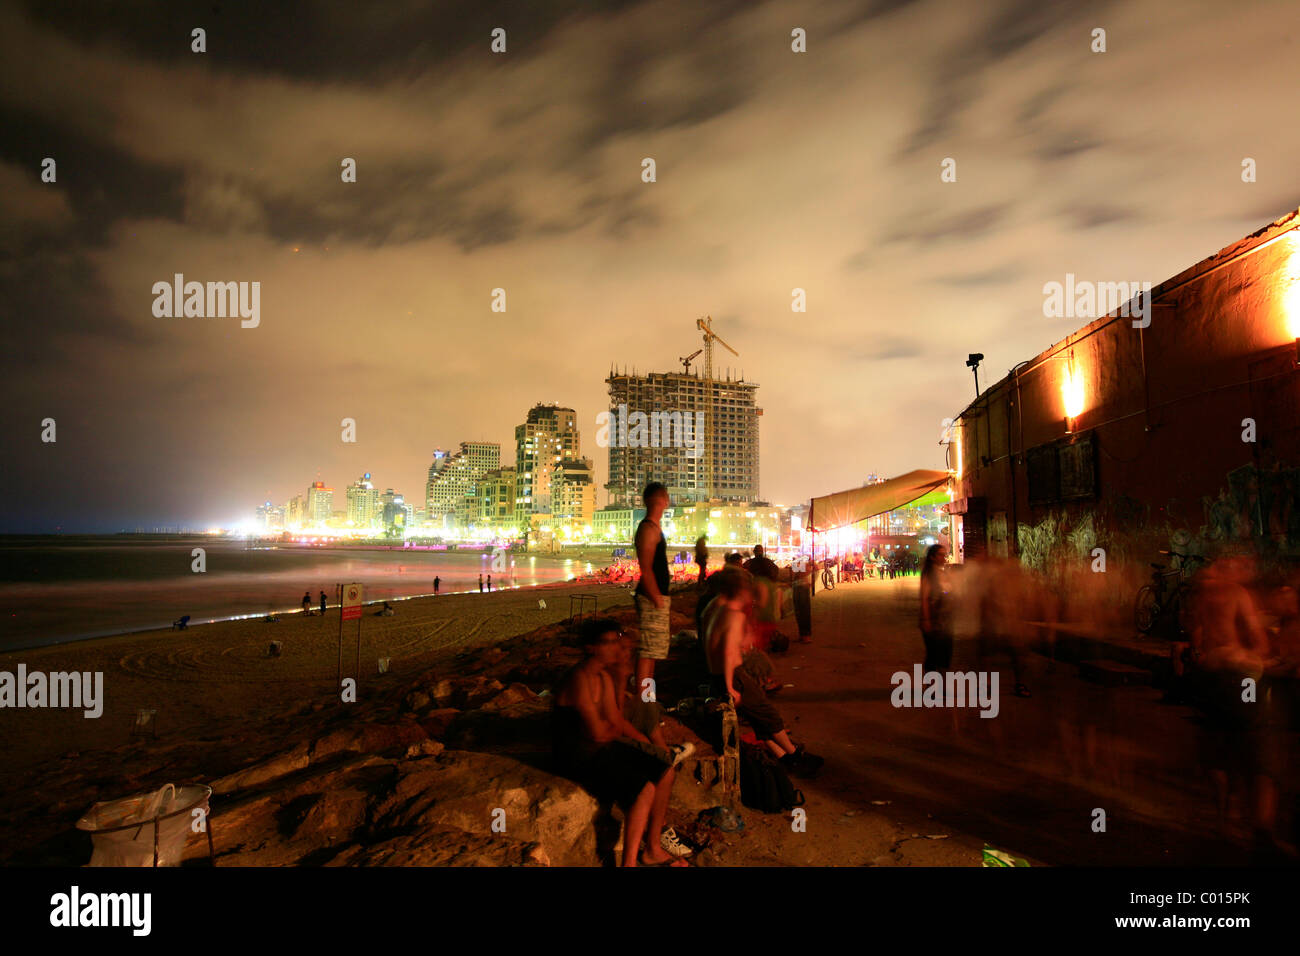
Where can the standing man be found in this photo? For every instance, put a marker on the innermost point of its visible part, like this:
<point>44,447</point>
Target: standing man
<point>652,602</point>
<point>480,584</point>
<point>802,572</point>
<point>702,557</point>
<point>936,628</point>
<point>437,583</point>
<point>489,586</point>
<point>322,604</point>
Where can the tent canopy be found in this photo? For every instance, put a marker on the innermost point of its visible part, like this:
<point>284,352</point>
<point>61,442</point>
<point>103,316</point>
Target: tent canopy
<point>848,507</point>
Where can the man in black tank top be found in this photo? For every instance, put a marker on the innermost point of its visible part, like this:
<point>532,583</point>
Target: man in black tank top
<point>652,602</point>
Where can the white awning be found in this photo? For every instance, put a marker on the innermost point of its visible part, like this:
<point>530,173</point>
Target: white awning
<point>849,507</point>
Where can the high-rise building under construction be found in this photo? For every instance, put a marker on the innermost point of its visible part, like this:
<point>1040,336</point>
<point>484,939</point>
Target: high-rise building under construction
<point>659,430</point>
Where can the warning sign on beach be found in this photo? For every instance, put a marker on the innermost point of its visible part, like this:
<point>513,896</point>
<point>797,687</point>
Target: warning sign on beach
<point>351,602</point>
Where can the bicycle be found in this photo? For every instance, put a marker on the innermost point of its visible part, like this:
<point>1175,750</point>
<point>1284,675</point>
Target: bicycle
<point>828,580</point>
<point>1157,600</point>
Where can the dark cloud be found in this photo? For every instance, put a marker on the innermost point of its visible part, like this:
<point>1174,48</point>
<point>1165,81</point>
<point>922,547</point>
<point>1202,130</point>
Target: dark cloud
<point>939,225</point>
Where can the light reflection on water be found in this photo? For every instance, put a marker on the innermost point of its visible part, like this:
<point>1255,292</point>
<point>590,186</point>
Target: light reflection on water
<point>111,586</point>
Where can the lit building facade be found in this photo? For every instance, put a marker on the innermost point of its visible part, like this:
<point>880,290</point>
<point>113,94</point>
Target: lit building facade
<point>456,478</point>
<point>363,503</point>
<point>1180,434</point>
<point>320,504</point>
<point>672,448</point>
<point>548,437</point>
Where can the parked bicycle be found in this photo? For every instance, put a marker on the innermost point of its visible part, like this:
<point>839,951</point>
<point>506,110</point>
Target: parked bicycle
<point>1158,605</point>
<point>828,579</point>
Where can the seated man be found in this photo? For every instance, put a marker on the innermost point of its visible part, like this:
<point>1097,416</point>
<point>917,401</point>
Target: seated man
<point>736,671</point>
<point>598,747</point>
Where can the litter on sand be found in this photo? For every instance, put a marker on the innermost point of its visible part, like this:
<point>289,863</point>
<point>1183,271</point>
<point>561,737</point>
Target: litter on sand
<point>995,858</point>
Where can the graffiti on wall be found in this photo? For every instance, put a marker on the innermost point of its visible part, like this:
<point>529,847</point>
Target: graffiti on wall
<point>1258,505</point>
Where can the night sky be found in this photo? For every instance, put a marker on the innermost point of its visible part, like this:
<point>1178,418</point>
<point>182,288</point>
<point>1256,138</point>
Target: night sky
<point>522,170</point>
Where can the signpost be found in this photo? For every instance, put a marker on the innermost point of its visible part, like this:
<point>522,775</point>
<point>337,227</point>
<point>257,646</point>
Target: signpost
<point>350,610</point>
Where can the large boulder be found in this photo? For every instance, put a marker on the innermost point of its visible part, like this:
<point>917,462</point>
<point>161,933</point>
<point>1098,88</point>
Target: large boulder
<point>468,792</point>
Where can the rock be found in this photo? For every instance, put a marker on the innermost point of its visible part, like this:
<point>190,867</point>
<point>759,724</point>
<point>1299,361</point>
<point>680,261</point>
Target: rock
<point>367,738</point>
<point>333,815</point>
<point>514,694</point>
<point>436,722</point>
<point>424,748</point>
<point>461,790</point>
<point>535,855</point>
<point>437,846</point>
<point>266,770</point>
<point>441,692</point>
<point>416,700</point>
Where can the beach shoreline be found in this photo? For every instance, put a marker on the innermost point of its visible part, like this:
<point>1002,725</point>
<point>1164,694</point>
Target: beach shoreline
<point>214,674</point>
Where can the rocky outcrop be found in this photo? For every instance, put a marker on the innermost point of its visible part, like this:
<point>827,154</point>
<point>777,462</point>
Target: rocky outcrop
<point>429,807</point>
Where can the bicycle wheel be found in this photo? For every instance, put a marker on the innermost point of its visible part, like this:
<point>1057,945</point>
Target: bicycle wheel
<point>1146,608</point>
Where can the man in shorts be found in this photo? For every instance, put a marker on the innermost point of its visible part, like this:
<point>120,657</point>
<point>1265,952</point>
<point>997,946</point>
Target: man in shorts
<point>652,601</point>
<point>596,745</point>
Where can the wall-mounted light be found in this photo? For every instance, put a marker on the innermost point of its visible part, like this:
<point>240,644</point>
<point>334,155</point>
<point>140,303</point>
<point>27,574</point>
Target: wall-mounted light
<point>1072,394</point>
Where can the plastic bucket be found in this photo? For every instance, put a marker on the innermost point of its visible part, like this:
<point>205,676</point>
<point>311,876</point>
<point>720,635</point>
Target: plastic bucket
<point>129,831</point>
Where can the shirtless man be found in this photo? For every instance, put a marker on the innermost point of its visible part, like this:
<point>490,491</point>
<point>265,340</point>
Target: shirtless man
<point>727,643</point>
<point>598,747</point>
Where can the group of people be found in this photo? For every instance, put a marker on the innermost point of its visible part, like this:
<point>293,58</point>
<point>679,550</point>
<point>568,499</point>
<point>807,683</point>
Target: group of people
<point>607,731</point>
<point>1238,664</point>
<point>307,602</point>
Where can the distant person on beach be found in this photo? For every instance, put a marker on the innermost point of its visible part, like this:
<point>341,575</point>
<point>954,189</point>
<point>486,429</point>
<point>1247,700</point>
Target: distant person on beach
<point>702,557</point>
<point>489,583</point>
<point>323,604</point>
<point>596,745</point>
<point>437,583</point>
<point>306,603</point>
<point>652,600</point>
<point>480,584</point>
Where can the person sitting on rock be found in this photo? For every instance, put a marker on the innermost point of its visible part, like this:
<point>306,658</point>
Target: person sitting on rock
<point>728,645</point>
<point>596,746</point>
<point>642,710</point>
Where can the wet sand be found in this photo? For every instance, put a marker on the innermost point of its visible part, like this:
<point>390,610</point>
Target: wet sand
<point>198,678</point>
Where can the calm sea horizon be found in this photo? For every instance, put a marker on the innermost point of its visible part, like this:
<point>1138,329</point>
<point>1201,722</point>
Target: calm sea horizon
<point>58,588</point>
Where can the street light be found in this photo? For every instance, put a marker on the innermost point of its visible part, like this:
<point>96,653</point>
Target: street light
<point>973,363</point>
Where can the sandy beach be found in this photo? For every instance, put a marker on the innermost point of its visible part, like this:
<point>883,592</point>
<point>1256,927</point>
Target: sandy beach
<point>212,674</point>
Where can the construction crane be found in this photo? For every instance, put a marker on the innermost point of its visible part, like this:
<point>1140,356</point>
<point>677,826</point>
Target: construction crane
<point>705,325</point>
<point>686,360</point>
